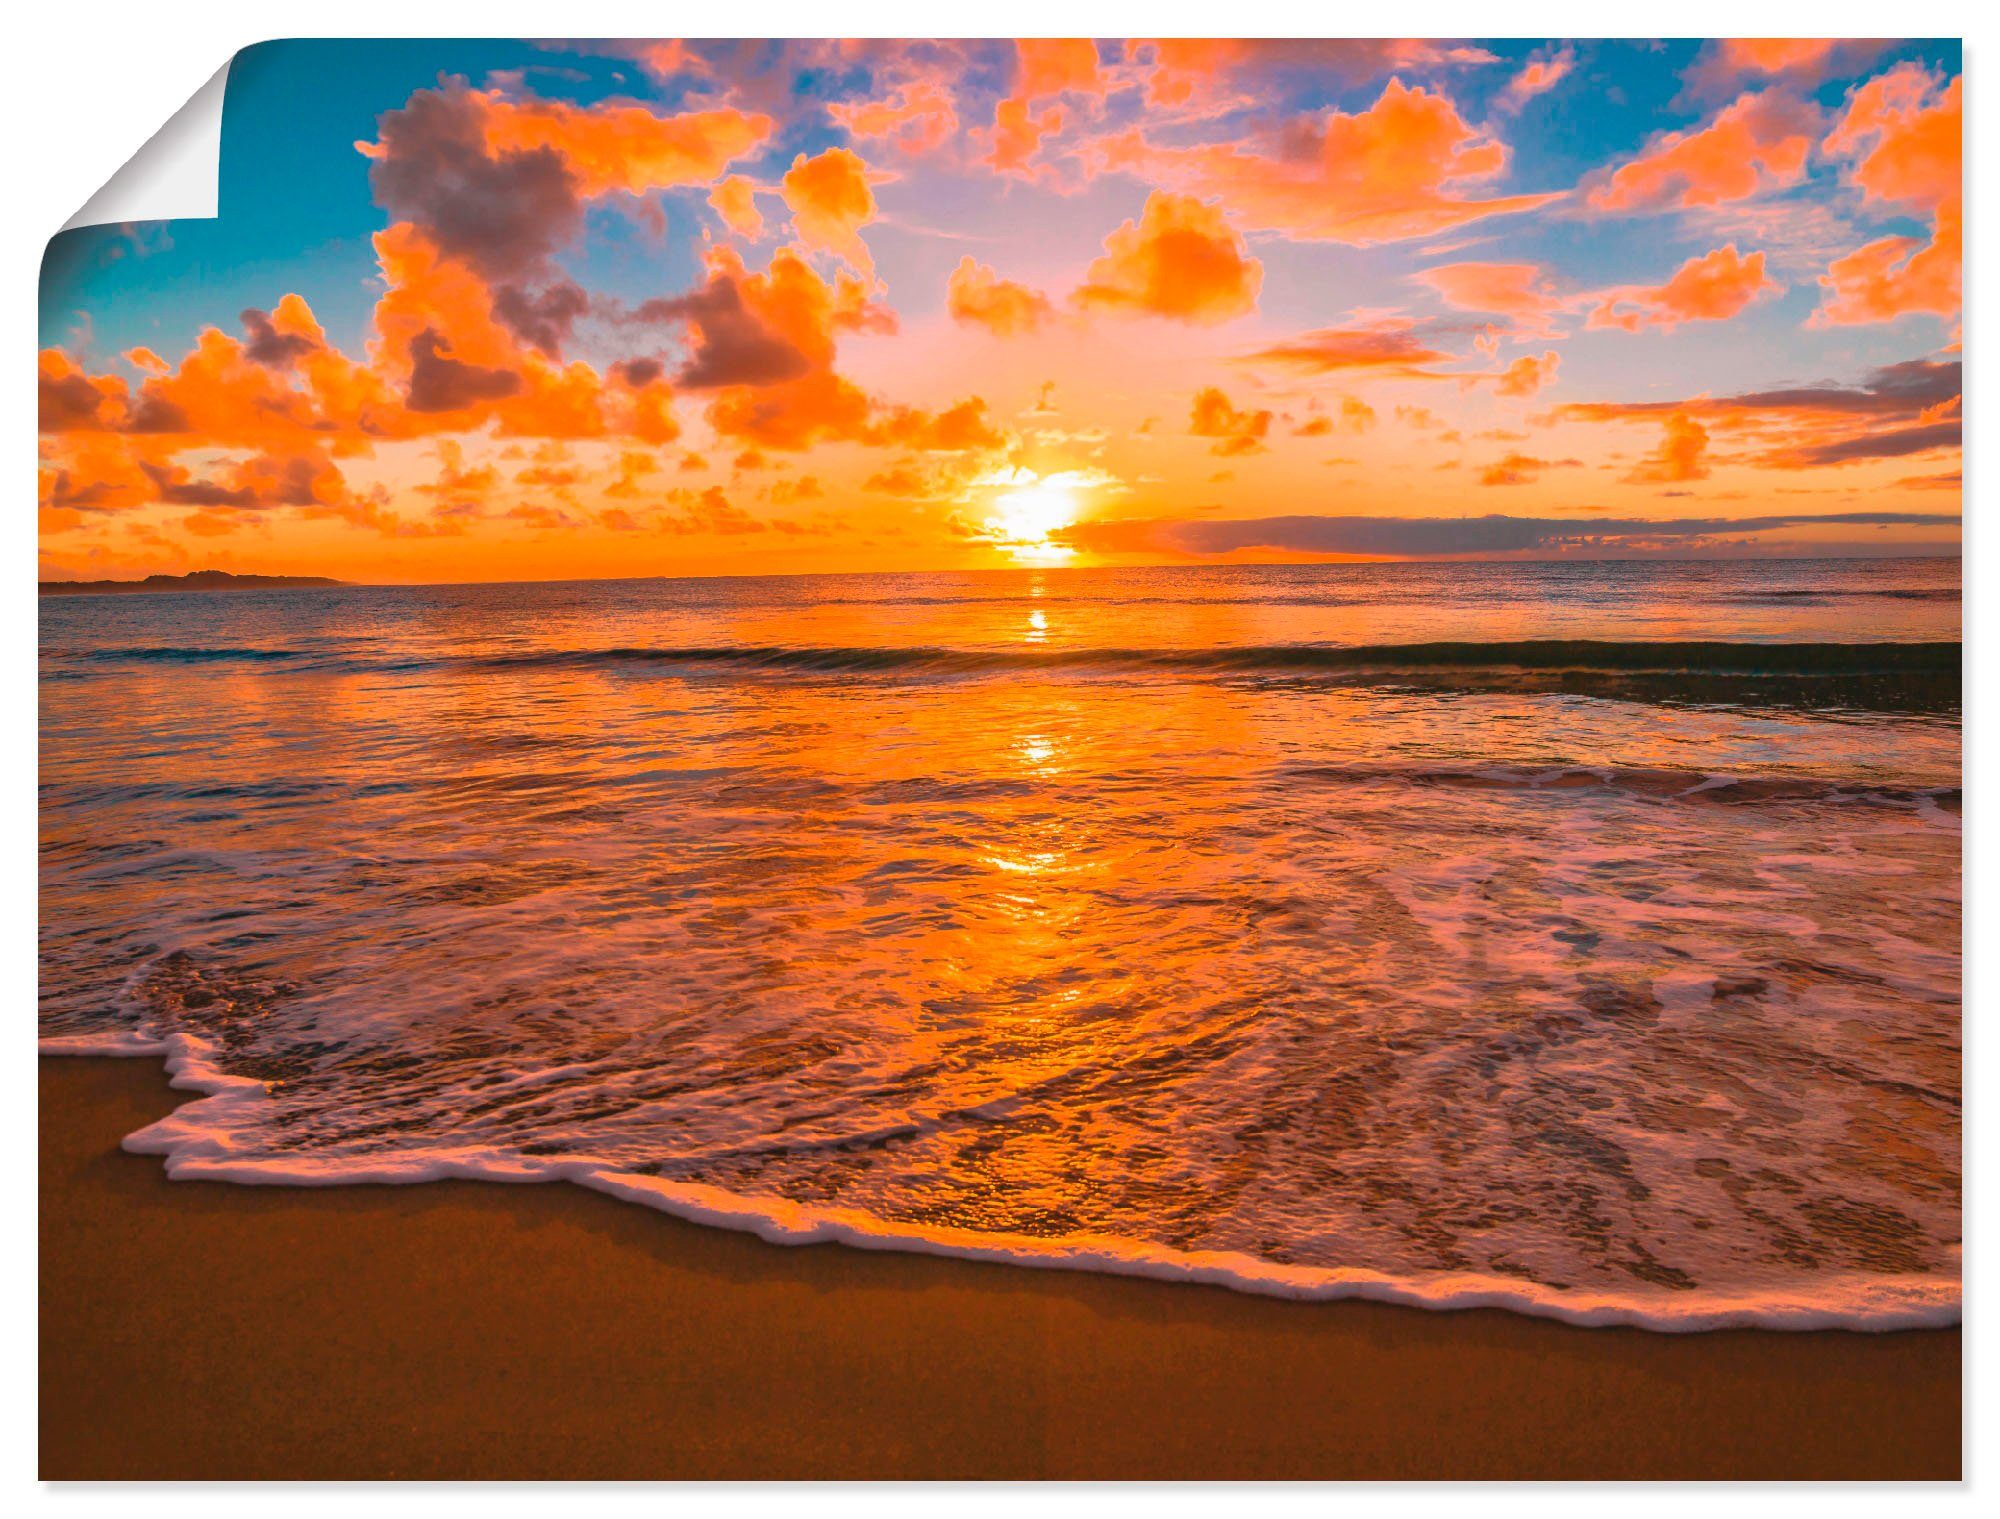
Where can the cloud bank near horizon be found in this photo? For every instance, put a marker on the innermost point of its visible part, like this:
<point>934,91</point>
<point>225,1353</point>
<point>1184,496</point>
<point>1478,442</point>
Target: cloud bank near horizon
<point>1456,537</point>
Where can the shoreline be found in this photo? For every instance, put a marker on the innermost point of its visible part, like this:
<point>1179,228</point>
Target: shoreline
<point>1869,1304</point>
<point>464,1329</point>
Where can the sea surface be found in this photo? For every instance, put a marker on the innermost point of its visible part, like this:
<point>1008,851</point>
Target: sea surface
<point>1576,938</point>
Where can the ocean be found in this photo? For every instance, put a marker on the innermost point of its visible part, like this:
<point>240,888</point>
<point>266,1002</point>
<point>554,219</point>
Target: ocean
<point>1579,938</point>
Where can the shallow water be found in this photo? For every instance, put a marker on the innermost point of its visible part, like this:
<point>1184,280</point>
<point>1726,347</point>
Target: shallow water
<point>1165,920</point>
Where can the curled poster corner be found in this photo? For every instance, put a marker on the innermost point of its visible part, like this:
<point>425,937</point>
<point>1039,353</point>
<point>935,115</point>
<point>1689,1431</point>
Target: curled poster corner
<point>175,176</point>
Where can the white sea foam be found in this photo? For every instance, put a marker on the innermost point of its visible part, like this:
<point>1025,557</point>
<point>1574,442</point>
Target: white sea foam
<point>195,1143</point>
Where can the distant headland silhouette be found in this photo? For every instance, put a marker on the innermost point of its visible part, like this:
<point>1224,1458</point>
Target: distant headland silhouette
<point>197,580</point>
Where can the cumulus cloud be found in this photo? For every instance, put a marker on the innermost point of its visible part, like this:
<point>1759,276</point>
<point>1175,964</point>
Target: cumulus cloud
<point>730,344</point>
<point>1712,288</point>
<point>1405,167</point>
<point>830,201</point>
<point>282,336</point>
<point>438,382</point>
<point>1527,374</point>
<point>1729,62</point>
<point>735,200</point>
<point>542,319</point>
<point>1681,456</point>
<point>1905,132</point>
<point>1759,142</point>
<point>502,211</point>
<point>1234,431</point>
<point>502,183</point>
<point>764,344</point>
<point>978,297</point>
<point>1179,260</point>
<point>1046,69</point>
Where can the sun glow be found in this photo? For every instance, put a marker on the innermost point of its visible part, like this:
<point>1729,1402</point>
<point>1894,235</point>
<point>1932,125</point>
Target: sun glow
<point>1024,520</point>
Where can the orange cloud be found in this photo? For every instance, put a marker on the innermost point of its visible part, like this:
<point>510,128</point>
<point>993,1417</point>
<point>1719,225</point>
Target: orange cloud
<point>1520,469</point>
<point>1179,260</point>
<point>765,344</point>
<point>1221,74</point>
<point>1181,64</point>
<point>1527,374</point>
<point>260,419</point>
<point>1017,135</point>
<point>830,202</point>
<point>440,338</point>
<point>500,183</point>
<point>978,297</point>
<point>628,148</point>
<point>1044,67</point>
<point>1519,291</point>
<point>1681,456</point>
<point>1712,288</point>
<point>1758,143</point>
<point>917,118</point>
<point>957,429</point>
<point>1355,416</point>
<point>1235,432</point>
<point>1538,76</point>
<point>1390,348</point>
<point>1907,135</point>
<point>735,201</point>
<point>1056,65</point>
<point>1897,276</point>
<point>1902,410</point>
<point>1399,169</point>
<point>1802,61</point>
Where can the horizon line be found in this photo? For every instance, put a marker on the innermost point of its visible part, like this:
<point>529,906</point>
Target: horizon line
<point>1955,552</point>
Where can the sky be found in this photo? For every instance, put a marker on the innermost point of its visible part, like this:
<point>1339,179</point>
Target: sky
<point>511,310</point>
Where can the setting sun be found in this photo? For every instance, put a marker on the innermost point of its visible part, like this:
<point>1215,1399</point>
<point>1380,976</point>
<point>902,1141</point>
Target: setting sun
<point>1026,519</point>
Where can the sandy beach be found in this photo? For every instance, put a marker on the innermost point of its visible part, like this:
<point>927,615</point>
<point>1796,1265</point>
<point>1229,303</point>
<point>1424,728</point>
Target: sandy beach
<point>460,1330</point>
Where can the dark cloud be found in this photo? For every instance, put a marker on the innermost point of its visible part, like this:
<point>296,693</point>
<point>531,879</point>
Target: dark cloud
<point>268,346</point>
<point>638,373</point>
<point>730,345</point>
<point>1446,536</point>
<point>1881,445</point>
<point>1898,389</point>
<point>441,383</point>
<point>544,318</point>
<point>175,489</point>
<point>1904,389</point>
<point>68,403</point>
<point>502,213</point>
<point>153,414</point>
<point>267,480</point>
<point>65,491</point>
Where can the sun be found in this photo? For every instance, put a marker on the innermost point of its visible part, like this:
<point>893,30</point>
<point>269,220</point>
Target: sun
<point>1025,519</point>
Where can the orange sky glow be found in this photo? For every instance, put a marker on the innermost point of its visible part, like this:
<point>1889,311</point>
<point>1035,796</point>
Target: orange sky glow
<point>724,309</point>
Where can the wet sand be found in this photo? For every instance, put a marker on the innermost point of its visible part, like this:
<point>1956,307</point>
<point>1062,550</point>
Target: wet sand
<point>463,1330</point>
